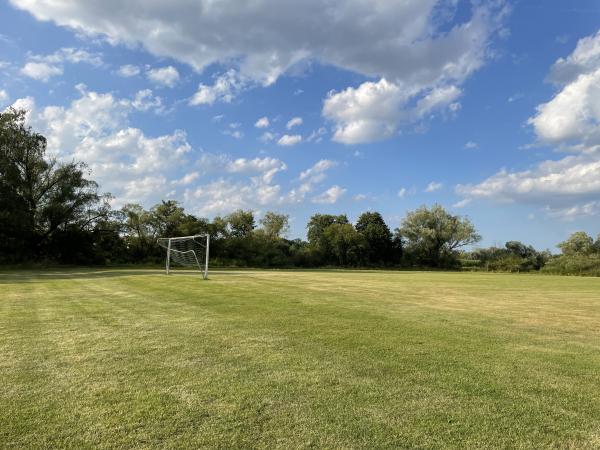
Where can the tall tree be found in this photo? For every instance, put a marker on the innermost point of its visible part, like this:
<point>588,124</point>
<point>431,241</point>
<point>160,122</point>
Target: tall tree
<point>275,225</point>
<point>241,223</point>
<point>579,243</point>
<point>319,241</point>
<point>347,245</point>
<point>432,234</point>
<point>167,217</point>
<point>39,195</point>
<point>377,236</point>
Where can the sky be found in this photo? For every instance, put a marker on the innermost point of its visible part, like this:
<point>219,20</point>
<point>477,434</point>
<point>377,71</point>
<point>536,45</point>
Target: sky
<point>489,108</point>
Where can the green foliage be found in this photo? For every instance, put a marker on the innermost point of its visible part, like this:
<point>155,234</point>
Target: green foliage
<point>275,225</point>
<point>241,223</point>
<point>585,265</point>
<point>43,202</point>
<point>579,243</point>
<point>378,245</point>
<point>432,235</point>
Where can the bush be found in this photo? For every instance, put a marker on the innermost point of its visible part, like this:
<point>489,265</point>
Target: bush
<point>584,265</point>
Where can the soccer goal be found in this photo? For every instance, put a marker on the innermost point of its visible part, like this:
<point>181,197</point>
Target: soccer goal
<point>189,251</point>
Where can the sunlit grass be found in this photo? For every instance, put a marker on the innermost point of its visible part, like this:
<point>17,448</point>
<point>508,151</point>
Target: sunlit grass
<point>133,358</point>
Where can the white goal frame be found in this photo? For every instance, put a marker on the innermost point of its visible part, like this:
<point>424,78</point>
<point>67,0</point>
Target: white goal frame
<point>169,249</point>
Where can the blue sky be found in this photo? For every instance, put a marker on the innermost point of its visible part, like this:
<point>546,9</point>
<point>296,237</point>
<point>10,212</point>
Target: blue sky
<point>490,108</point>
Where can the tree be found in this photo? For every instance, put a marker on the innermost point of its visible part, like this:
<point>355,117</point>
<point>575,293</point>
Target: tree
<point>166,218</point>
<point>318,240</point>
<point>579,243</point>
<point>275,225</point>
<point>377,236</point>
<point>347,245</point>
<point>241,223</point>
<point>39,196</point>
<point>433,235</point>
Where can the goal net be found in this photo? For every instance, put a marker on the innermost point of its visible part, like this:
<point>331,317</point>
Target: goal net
<point>189,251</point>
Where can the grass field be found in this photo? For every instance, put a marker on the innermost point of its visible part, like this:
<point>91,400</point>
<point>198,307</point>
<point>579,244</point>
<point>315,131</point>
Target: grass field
<point>336,359</point>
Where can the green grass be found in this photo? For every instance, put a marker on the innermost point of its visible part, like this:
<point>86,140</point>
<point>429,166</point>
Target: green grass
<point>264,359</point>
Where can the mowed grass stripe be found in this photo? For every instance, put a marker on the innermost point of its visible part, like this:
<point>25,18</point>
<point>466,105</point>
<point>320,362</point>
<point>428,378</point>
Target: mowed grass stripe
<point>300,359</point>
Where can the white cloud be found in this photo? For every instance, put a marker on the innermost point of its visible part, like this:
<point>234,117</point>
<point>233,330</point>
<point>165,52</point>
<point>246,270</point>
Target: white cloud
<point>263,122</point>
<point>438,98</point>
<point>294,122</point>
<point>413,40</point>
<point>164,76</point>
<point>402,193</point>
<point>330,196</point>
<point>375,111</point>
<point>584,59</point>
<point>128,70</point>
<point>433,186</point>
<point>359,197</point>
<point>71,55</point>
<point>560,181</point>
<point>267,137</point>
<point>309,179</point>
<point>568,187</point>
<point>41,71</point>
<point>288,140</point>
<point>573,115</point>
<point>317,172</point>
<point>317,135</point>
<point>267,167</point>
<point>145,100</point>
<point>571,213</point>
<point>462,203</point>
<point>364,114</point>
<point>44,67</point>
<point>224,89</point>
<point>94,129</point>
<point>236,134</point>
<point>471,145</point>
<point>223,196</point>
<point>3,96</point>
<point>188,178</point>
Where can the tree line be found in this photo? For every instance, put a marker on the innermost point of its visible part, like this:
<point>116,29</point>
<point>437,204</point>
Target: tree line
<point>52,211</point>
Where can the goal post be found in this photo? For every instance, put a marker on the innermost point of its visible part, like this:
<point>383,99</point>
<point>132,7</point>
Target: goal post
<point>188,251</point>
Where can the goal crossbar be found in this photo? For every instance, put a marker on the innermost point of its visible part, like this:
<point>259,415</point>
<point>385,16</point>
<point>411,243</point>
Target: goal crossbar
<point>185,250</point>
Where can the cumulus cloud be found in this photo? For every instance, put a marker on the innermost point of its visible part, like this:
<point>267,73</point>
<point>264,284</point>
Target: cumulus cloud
<point>44,67</point>
<point>330,196</point>
<point>573,115</point>
<point>145,100</point>
<point>263,122</point>
<point>568,187</point>
<point>224,89</point>
<point>164,76</point>
<point>288,140</point>
<point>294,122</point>
<point>410,41</point>
<point>128,70</point>
<point>41,71</point>
<point>309,179</point>
<point>267,137</point>
<point>375,110</point>
<point>70,55</point>
<point>94,129</point>
<point>267,167</point>
<point>433,186</point>
<point>584,59</point>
